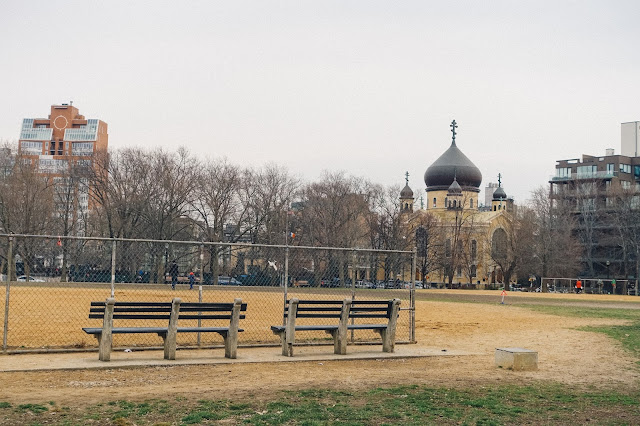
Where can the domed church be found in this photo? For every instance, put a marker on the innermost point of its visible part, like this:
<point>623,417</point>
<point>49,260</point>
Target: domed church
<point>467,244</point>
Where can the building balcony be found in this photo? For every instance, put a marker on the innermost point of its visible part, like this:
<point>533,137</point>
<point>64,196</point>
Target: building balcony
<point>604,175</point>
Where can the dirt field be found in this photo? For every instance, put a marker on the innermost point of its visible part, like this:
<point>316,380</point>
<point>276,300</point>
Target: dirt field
<point>565,355</point>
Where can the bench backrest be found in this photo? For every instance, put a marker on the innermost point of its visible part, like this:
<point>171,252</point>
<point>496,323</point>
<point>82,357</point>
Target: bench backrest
<point>209,311</point>
<point>315,308</point>
<point>162,310</point>
<point>371,309</point>
<point>359,309</point>
<point>133,310</point>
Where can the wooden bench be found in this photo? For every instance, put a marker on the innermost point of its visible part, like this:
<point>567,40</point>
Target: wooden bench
<point>165,311</point>
<point>340,312</point>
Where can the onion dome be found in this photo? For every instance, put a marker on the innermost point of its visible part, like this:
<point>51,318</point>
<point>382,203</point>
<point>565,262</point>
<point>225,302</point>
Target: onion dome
<point>451,165</point>
<point>454,188</point>
<point>499,194</point>
<point>406,192</point>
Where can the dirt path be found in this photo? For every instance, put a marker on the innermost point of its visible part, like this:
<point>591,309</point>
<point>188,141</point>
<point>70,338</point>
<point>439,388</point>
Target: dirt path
<point>565,355</point>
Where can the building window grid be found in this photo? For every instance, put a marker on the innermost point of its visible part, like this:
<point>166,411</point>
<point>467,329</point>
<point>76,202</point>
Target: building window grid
<point>81,148</point>
<point>33,148</point>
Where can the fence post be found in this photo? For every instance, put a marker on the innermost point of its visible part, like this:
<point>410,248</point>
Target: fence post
<point>286,275</point>
<point>113,268</point>
<point>200,290</point>
<point>10,264</point>
<point>353,289</point>
<point>412,295</point>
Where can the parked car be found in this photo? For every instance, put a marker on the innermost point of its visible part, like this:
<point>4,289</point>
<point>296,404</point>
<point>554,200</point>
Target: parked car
<point>24,278</point>
<point>228,281</point>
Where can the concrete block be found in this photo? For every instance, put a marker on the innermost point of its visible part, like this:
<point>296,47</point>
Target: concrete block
<point>517,359</point>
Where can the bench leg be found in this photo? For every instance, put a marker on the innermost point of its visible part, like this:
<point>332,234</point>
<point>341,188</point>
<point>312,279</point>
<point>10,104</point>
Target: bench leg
<point>169,345</point>
<point>339,342</point>
<point>104,346</point>
<point>388,341</point>
<point>230,344</point>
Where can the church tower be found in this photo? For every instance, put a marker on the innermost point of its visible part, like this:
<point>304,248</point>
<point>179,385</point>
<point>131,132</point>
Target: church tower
<point>406,197</point>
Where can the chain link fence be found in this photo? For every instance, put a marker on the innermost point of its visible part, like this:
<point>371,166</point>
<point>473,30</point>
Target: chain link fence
<point>50,282</point>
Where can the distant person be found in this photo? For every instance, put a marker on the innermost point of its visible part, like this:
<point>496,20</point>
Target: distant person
<point>613,286</point>
<point>192,280</point>
<point>578,287</point>
<point>173,270</point>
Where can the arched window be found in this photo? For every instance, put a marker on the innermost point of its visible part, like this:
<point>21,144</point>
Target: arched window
<point>499,244</point>
<point>474,249</point>
<point>471,203</point>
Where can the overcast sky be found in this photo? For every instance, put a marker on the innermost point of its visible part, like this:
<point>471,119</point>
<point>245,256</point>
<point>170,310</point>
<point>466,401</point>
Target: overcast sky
<point>368,87</point>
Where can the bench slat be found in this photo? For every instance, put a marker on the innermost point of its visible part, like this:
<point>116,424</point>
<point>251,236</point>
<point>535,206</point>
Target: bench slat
<point>207,317</point>
<point>127,330</point>
<point>134,304</point>
<point>210,306</point>
<point>120,309</point>
<point>319,302</point>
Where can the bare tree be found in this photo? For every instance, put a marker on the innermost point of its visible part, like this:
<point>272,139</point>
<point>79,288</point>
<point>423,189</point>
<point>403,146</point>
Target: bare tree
<point>217,203</point>
<point>556,250</point>
<point>427,238</point>
<point>334,215</point>
<point>26,203</point>
<point>624,217</point>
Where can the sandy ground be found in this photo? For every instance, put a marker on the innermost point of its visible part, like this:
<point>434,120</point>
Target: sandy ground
<point>566,355</point>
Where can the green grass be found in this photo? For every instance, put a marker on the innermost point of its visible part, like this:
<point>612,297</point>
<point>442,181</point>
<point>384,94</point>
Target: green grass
<point>406,405</point>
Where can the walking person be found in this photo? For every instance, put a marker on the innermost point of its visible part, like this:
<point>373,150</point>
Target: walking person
<point>192,280</point>
<point>578,287</point>
<point>173,270</point>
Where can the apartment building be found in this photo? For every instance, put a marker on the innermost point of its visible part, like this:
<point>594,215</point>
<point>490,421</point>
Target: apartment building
<point>592,188</point>
<point>61,142</point>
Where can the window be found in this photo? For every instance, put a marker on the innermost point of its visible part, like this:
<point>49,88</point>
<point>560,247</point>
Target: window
<point>471,203</point>
<point>459,271</point>
<point>474,249</point>
<point>82,148</point>
<point>434,201</point>
<point>611,168</point>
<point>33,148</point>
<point>474,270</point>
<point>625,168</point>
<point>625,184</point>
<point>587,170</point>
<point>563,172</point>
<point>447,248</point>
<point>499,244</point>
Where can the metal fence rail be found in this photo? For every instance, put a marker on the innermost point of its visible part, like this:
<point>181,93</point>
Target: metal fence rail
<point>50,282</point>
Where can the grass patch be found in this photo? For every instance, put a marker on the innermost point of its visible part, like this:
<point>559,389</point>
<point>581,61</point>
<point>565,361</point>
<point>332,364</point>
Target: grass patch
<point>407,405</point>
<point>582,312</point>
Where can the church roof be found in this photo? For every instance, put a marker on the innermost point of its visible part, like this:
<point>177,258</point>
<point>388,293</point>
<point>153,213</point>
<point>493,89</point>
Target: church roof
<point>499,194</point>
<point>406,192</point>
<point>452,164</point>
<point>455,188</point>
